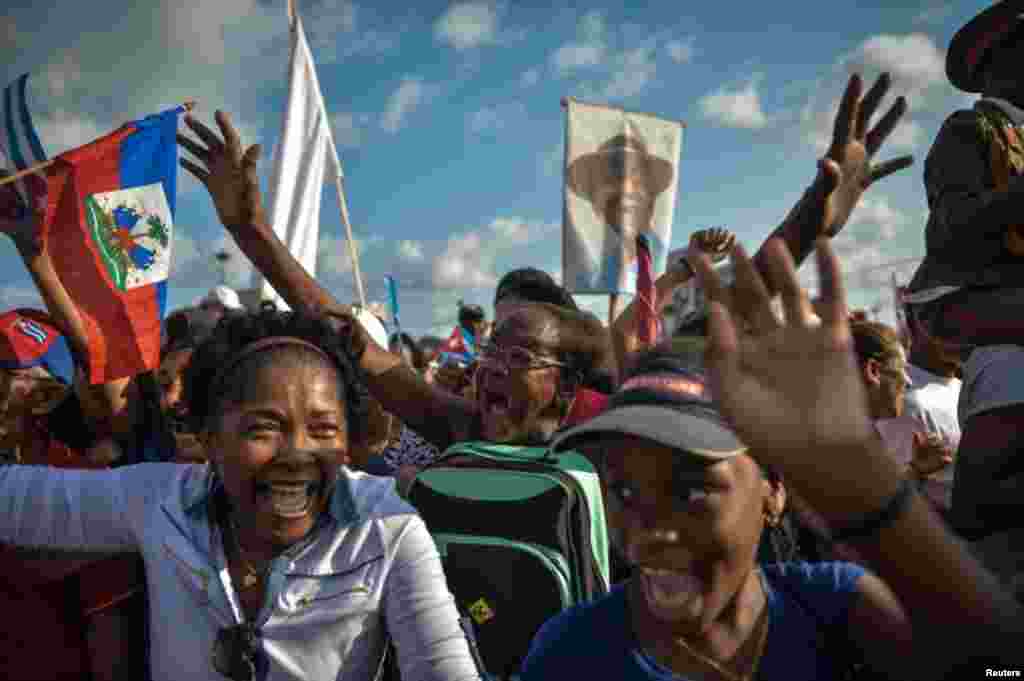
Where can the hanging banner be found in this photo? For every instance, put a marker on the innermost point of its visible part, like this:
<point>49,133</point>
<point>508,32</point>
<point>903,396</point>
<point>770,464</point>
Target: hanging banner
<point>621,173</point>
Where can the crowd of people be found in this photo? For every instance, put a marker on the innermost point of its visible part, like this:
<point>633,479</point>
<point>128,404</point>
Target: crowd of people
<point>791,491</point>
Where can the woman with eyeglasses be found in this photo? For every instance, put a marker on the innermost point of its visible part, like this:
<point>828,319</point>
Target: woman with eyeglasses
<point>273,562</point>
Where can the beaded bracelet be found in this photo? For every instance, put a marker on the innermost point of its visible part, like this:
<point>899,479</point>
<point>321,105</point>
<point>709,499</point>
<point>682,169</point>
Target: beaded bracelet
<point>872,522</point>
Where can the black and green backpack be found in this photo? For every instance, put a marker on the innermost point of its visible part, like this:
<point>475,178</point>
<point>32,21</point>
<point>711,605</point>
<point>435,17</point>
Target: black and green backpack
<point>522,537</point>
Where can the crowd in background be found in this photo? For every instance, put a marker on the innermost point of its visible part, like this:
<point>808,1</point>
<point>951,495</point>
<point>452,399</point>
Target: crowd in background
<point>790,489</point>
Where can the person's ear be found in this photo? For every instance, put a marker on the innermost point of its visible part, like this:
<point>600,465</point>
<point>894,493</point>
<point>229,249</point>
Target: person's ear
<point>872,371</point>
<point>774,499</point>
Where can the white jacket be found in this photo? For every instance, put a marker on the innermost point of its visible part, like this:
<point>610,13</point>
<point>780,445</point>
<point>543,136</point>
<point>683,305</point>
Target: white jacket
<point>370,561</point>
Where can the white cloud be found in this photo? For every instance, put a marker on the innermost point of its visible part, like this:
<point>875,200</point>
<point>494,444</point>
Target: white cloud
<point>462,264</point>
<point>735,108</point>
<point>574,56</point>
<point>530,77</point>
<point>680,51</point>
<point>467,25</point>
<point>469,259</point>
<point>346,129</point>
<point>62,130</point>
<point>516,231</point>
<point>907,135</point>
<point>876,213</point>
<point>61,73</point>
<point>914,60</point>
<point>818,126</point>
<point>410,250</point>
<point>402,102</point>
<point>634,69</point>
<point>587,51</point>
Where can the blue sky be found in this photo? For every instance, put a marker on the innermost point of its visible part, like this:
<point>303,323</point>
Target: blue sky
<point>449,124</point>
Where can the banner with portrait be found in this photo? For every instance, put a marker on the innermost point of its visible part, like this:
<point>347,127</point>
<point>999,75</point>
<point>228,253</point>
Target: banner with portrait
<point>621,171</point>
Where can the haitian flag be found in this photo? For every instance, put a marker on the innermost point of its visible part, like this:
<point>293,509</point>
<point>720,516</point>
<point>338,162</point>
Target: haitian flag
<point>109,216</point>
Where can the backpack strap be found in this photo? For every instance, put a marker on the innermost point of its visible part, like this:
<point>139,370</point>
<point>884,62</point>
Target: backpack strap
<point>497,452</point>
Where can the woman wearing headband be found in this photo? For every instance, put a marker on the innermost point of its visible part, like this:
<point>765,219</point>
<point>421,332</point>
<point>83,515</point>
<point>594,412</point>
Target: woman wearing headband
<point>272,562</point>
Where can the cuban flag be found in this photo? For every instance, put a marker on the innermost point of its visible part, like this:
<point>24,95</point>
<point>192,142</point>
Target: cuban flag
<point>28,338</point>
<point>20,148</point>
<point>108,228</point>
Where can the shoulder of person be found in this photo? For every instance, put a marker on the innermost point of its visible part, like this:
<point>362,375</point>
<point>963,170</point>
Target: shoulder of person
<point>178,485</point>
<point>962,127</point>
<point>375,496</point>
<point>815,578</point>
<point>570,635</point>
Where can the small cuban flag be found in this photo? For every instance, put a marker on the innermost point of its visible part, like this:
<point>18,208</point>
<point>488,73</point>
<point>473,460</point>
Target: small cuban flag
<point>108,228</point>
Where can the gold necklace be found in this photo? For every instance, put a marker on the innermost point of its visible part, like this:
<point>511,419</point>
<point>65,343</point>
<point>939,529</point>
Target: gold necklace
<point>251,577</point>
<point>719,667</point>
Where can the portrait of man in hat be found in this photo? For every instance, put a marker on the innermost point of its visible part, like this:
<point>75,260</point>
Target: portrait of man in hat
<point>621,181</point>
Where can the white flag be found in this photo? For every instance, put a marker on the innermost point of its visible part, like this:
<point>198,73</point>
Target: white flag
<point>621,172</point>
<point>304,150</point>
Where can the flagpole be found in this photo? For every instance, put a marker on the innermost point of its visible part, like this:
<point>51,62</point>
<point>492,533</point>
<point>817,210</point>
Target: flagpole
<point>348,232</point>
<point>189,105</point>
<point>293,22</point>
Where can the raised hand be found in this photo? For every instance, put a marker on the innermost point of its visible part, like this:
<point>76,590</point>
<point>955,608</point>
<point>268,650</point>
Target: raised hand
<point>846,171</point>
<point>716,242</point>
<point>931,454</point>
<point>790,387</point>
<point>227,170</point>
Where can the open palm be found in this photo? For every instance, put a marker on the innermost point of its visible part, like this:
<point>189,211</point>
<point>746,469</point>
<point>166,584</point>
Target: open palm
<point>227,170</point>
<point>847,169</point>
<point>790,387</point>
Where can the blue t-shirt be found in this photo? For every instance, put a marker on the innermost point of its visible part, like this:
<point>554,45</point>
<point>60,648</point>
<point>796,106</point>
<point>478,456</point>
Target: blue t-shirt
<point>564,648</point>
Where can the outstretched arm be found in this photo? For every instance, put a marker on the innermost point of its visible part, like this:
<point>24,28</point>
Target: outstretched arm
<point>792,389</point>
<point>229,173</point>
<point>716,242</point>
<point>105,406</point>
<point>844,173</point>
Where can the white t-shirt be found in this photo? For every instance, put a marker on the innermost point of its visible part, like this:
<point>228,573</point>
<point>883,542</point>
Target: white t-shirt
<point>993,378</point>
<point>930,406</point>
<point>933,400</point>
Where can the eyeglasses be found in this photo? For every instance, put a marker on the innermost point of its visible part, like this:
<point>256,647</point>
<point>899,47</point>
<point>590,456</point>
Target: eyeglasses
<point>236,653</point>
<point>514,358</point>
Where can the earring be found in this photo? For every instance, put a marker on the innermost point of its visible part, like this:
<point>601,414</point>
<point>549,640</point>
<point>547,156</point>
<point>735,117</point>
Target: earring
<point>771,519</point>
